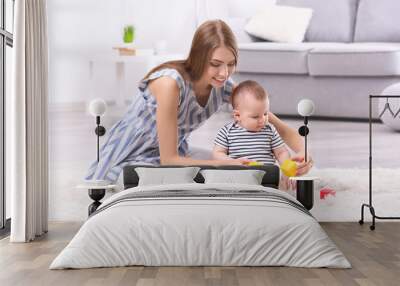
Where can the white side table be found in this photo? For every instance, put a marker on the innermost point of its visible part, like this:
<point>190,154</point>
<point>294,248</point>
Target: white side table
<point>96,193</point>
<point>305,190</point>
<point>129,70</point>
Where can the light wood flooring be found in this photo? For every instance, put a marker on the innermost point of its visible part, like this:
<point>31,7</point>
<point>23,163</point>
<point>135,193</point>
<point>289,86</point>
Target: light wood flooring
<point>374,255</point>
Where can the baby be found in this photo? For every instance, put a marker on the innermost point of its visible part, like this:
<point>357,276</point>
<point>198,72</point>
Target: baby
<point>250,135</point>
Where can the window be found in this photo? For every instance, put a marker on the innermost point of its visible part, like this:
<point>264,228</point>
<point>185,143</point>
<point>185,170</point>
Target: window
<point>6,44</point>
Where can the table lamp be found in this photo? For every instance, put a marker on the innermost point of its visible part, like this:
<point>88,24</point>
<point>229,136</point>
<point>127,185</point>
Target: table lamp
<point>305,108</point>
<point>305,185</point>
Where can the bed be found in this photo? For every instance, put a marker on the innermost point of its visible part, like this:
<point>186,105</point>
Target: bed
<point>201,224</point>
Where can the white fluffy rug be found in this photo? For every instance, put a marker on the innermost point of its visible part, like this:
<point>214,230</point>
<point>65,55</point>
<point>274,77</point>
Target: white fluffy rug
<point>351,186</point>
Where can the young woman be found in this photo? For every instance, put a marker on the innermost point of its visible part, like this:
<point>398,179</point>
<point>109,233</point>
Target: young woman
<point>176,98</point>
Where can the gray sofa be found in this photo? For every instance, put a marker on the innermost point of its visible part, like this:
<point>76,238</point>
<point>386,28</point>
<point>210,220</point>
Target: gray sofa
<point>351,50</point>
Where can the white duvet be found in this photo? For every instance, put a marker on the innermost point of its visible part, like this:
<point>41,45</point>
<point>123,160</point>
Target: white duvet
<point>206,230</point>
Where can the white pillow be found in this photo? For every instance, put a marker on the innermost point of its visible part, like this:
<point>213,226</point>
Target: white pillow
<point>166,176</point>
<point>248,177</point>
<point>280,23</point>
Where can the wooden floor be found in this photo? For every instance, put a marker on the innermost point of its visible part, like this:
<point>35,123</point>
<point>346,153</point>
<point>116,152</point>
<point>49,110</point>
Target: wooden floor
<point>374,255</point>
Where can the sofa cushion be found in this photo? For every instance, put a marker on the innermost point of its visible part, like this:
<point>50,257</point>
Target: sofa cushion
<point>274,58</point>
<point>355,59</point>
<point>333,22</point>
<point>280,23</point>
<point>378,21</point>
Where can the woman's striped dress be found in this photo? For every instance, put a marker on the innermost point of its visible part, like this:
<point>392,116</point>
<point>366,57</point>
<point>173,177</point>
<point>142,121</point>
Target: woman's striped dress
<point>134,138</point>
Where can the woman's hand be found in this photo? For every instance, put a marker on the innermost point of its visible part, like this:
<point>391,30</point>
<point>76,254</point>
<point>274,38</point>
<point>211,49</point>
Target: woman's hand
<point>237,162</point>
<point>303,166</point>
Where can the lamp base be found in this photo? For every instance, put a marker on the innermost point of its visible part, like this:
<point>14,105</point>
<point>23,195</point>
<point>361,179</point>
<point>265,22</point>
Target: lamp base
<point>96,195</point>
<point>305,193</point>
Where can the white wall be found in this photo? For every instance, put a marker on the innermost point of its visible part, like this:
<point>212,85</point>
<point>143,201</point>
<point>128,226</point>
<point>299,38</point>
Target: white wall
<point>83,29</point>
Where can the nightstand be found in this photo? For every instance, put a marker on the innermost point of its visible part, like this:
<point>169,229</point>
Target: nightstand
<point>305,190</point>
<point>96,193</point>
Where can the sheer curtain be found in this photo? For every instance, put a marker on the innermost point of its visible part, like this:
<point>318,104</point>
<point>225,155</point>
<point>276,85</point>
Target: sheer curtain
<point>27,123</point>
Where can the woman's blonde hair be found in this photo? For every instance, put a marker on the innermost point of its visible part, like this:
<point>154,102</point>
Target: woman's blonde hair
<point>209,36</point>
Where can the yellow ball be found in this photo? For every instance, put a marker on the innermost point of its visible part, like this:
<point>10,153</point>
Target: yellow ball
<point>289,168</point>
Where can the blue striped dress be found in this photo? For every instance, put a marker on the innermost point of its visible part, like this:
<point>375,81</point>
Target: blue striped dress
<point>134,138</point>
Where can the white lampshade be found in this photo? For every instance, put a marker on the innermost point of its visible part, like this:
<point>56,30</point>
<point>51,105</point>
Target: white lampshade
<point>97,107</point>
<point>305,107</point>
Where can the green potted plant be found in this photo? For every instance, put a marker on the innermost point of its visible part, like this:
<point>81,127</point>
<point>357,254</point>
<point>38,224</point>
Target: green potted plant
<point>129,34</point>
